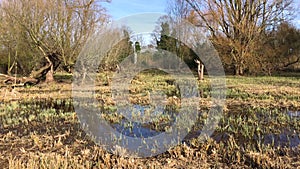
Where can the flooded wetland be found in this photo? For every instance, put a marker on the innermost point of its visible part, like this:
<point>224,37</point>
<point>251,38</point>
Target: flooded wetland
<point>260,126</point>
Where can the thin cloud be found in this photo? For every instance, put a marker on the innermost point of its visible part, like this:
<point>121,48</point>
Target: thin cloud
<point>141,23</point>
<point>121,8</point>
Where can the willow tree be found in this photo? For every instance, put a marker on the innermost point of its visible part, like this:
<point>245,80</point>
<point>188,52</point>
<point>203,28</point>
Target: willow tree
<point>237,25</point>
<point>49,32</point>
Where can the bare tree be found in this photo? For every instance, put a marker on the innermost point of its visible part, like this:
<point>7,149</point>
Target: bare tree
<point>282,50</point>
<point>52,31</point>
<point>178,9</point>
<point>236,26</point>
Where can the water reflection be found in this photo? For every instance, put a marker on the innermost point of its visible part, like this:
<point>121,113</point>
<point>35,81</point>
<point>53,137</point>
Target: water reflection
<point>147,127</point>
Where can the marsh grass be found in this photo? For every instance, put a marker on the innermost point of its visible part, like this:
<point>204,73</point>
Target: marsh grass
<point>256,130</point>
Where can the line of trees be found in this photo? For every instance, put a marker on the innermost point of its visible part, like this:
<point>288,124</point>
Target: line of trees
<point>251,36</point>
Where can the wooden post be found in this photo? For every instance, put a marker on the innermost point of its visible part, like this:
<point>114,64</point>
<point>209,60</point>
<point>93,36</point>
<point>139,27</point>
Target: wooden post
<point>200,69</point>
<point>135,58</point>
<point>118,68</point>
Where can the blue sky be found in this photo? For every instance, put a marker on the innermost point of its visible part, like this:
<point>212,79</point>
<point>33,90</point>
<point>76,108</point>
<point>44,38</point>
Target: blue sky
<point>122,8</point>
<point>140,16</point>
<point>124,11</point>
<point>297,19</point>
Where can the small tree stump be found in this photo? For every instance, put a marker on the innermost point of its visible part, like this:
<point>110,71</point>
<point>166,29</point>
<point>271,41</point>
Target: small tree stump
<point>200,70</point>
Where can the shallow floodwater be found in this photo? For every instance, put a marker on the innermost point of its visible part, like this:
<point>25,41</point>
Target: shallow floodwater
<point>287,137</point>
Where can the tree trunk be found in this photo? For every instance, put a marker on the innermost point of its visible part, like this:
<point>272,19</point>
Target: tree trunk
<point>241,71</point>
<point>238,70</point>
<point>50,64</point>
<point>39,74</point>
<point>49,75</point>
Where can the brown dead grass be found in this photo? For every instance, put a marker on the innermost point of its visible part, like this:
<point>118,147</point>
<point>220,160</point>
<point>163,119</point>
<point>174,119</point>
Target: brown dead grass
<point>62,143</point>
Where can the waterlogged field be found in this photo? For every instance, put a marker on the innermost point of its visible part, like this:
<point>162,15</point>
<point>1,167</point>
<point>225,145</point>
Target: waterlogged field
<point>260,126</point>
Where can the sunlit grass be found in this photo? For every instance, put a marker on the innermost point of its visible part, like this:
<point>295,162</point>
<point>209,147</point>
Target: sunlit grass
<point>45,133</point>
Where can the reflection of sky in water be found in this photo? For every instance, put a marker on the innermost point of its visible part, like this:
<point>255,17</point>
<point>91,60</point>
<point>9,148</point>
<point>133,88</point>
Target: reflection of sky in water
<point>142,114</point>
<point>138,129</point>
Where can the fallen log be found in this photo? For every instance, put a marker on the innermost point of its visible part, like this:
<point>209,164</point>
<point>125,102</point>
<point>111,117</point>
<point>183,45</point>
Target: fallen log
<point>48,66</point>
<point>13,80</point>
